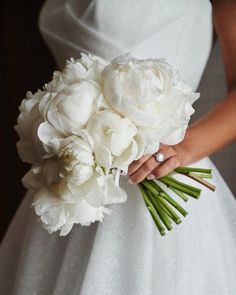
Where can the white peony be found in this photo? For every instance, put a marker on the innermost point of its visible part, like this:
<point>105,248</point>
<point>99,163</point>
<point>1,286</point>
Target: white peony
<point>149,93</point>
<point>115,137</point>
<point>75,153</point>
<point>29,147</point>
<point>77,161</point>
<point>69,110</point>
<point>88,67</point>
<point>60,205</point>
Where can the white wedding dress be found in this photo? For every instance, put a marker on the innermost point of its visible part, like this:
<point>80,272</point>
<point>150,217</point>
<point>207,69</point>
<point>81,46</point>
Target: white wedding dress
<point>125,255</point>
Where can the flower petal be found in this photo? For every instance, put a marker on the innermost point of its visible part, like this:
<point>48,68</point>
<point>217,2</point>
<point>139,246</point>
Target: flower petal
<point>114,194</point>
<point>49,136</point>
<point>129,155</point>
<point>103,156</point>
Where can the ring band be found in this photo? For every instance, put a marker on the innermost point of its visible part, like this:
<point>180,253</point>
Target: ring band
<point>159,157</point>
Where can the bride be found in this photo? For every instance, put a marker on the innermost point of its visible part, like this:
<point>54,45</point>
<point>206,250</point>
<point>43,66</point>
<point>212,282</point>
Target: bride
<point>125,255</point>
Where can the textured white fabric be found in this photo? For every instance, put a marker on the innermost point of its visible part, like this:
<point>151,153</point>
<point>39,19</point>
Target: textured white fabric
<point>125,255</point>
<point>180,31</point>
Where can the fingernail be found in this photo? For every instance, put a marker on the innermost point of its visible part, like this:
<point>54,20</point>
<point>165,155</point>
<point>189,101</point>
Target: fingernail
<point>151,176</point>
<point>130,181</point>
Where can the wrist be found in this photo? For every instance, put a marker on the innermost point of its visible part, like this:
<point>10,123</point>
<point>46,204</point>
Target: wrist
<point>185,152</point>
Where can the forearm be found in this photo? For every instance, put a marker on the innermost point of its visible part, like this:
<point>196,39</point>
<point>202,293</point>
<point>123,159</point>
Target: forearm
<point>212,132</point>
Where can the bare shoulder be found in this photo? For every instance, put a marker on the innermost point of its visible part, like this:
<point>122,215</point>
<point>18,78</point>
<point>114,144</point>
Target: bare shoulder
<point>224,18</point>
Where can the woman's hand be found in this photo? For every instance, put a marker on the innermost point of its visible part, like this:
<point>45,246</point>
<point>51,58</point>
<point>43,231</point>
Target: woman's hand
<point>148,167</point>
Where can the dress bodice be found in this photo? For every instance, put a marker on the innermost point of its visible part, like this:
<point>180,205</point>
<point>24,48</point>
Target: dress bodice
<point>179,31</point>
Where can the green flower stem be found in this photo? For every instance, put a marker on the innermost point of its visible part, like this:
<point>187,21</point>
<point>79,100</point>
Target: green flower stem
<point>156,199</point>
<point>202,175</point>
<point>179,193</point>
<point>163,204</point>
<point>163,216</point>
<point>191,191</point>
<point>193,188</point>
<point>160,204</point>
<point>155,189</point>
<point>195,177</point>
<point>174,203</point>
<point>152,187</point>
<point>151,210</point>
<point>192,169</point>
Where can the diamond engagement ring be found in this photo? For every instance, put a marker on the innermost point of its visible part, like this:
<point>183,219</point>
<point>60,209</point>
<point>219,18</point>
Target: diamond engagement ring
<point>159,157</point>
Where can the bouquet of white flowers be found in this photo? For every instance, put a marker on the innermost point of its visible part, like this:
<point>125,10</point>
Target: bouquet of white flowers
<point>88,124</point>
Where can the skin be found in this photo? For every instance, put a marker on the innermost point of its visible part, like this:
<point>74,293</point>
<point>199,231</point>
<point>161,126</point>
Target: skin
<point>218,127</point>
